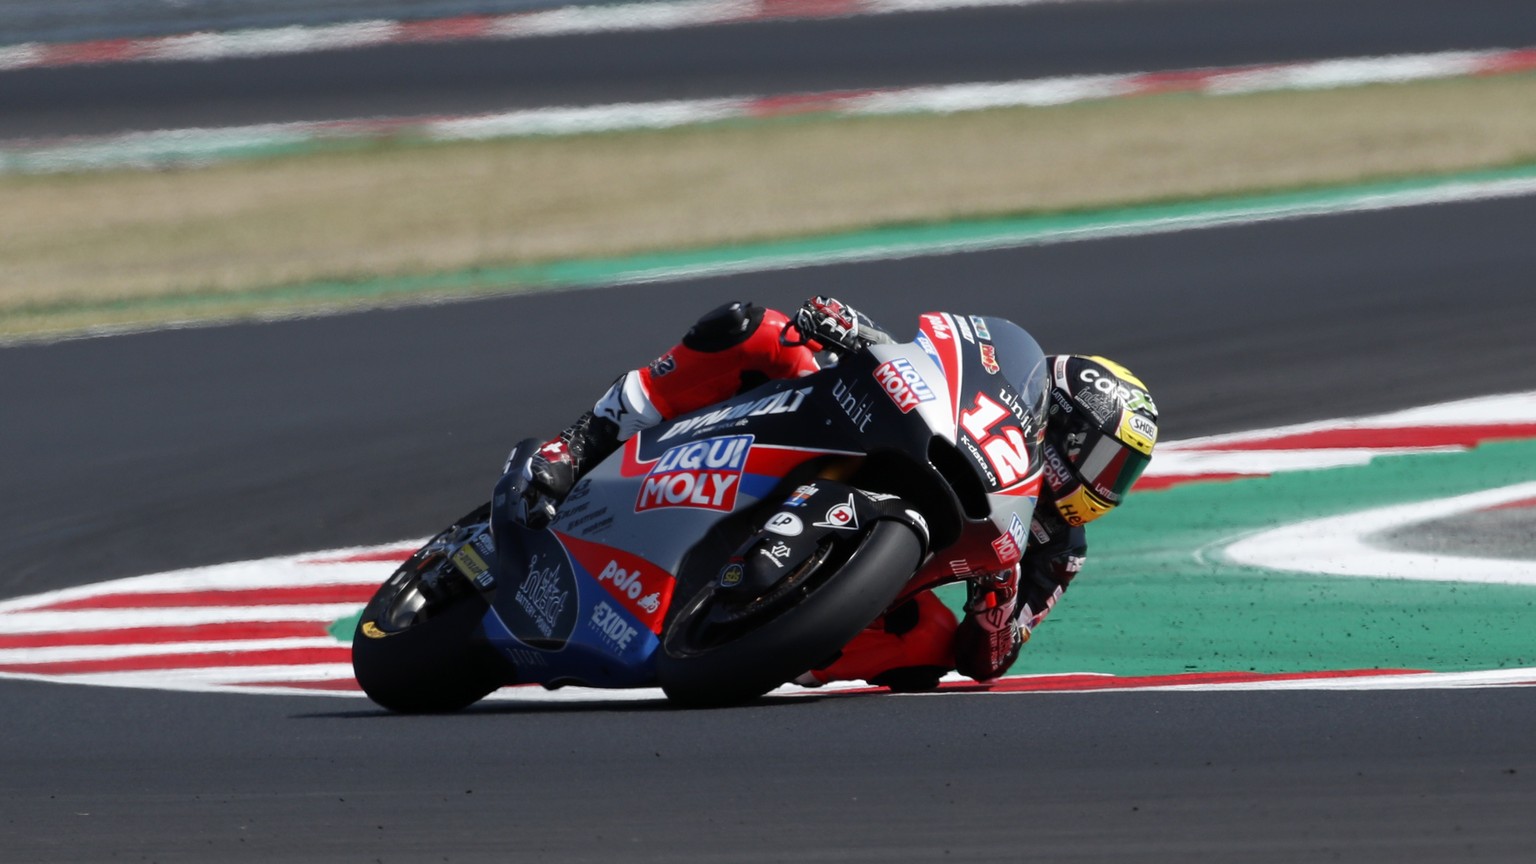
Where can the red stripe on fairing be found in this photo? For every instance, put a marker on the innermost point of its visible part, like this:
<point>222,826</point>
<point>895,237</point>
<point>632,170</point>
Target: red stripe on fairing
<point>243,597</point>
<point>770,459</point>
<point>653,579</point>
<point>162,635</point>
<point>949,357</point>
<point>1115,682</point>
<point>207,659</point>
<point>1166,481</point>
<point>776,461</point>
<point>1383,438</point>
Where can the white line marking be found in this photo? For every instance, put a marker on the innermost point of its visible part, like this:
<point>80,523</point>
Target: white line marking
<point>1338,546</point>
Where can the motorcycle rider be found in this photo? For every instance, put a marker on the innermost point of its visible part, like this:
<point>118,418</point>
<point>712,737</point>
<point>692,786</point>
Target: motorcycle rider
<point>1099,436</point>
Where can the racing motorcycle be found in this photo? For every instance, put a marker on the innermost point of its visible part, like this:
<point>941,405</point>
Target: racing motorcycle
<point>725,552</point>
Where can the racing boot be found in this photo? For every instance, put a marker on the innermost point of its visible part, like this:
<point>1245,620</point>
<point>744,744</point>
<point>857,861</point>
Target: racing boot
<point>908,650</point>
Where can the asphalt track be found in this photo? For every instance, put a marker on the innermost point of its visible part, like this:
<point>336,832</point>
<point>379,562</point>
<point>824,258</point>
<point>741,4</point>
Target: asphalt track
<point>142,453</point>
<point>740,60</point>
<point>145,452</point>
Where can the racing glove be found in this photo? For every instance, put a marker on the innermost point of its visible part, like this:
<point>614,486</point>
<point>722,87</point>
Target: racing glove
<point>836,325</point>
<point>550,474</point>
<point>988,640</point>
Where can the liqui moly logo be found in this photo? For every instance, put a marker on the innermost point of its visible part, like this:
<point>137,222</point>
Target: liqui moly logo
<point>902,383</point>
<point>704,474</point>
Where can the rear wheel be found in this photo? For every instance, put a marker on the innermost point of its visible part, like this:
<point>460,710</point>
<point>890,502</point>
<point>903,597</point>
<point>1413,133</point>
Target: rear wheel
<point>414,650</point>
<point>721,649</point>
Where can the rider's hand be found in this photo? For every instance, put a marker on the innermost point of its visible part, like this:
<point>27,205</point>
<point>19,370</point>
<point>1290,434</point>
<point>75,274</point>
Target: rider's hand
<point>833,324</point>
<point>992,598</point>
<point>988,640</point>
<point>547,478</point>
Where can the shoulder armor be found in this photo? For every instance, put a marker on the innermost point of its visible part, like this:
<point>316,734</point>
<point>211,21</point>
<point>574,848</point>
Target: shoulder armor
<point>725,327</point>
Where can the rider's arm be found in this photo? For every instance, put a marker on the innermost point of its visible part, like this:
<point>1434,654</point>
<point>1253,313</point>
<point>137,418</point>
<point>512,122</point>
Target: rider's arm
<point>733,347</point>
<point>1002,610</point>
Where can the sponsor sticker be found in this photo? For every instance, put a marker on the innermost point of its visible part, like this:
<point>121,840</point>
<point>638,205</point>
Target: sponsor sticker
<point>903,384</point>
<point>856,405</point>
<point>611,626</point>
<point>802,495</point>
<point>1007,549</point>
<point>543,594</point>
<point>980,326</point>
<point>702,474</point>
<point>776,553</point>
<point>989,358</point>
<point>842,516</point>
<point>1133,398</point>
<point>926,344</point>
<point>631,585</point>
<point>1016,531</point>
<point>939,326</point>
<point>732,575</point>
<point>783,402</point>
<point>785,524</point>
<point>1138,431</point>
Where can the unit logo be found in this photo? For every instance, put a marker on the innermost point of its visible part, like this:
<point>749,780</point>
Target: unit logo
<point>902,383</point>
<point>704,474</point>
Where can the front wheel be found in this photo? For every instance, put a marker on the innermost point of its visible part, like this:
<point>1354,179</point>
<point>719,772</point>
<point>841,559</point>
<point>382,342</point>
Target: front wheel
<point>415,649</point>
<point>719,650</point>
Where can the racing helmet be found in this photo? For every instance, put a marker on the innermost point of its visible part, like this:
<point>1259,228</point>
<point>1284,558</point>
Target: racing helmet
<point>1099,434</point>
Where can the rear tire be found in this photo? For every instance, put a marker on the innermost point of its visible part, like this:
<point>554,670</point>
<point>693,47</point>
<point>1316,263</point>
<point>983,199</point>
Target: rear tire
<point>706,663</point>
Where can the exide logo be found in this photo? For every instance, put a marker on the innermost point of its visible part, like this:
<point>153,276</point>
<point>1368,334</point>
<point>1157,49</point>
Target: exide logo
<point>700,474</point>
<point>902,383</point>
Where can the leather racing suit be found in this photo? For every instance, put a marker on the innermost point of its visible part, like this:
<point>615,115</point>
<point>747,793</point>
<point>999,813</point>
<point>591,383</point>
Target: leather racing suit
<point>739,346</point>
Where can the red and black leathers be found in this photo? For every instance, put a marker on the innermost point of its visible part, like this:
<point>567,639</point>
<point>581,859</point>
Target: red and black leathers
<point>739,346</point>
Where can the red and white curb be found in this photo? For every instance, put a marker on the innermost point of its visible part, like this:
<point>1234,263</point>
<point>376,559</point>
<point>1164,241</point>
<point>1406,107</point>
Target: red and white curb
<point>264,626</point>
<point>565,21</point>
<point>204,145</point>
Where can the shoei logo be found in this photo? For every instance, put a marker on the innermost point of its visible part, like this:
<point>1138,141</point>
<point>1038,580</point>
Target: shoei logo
<point>704,474</point>
<point>902,383</point>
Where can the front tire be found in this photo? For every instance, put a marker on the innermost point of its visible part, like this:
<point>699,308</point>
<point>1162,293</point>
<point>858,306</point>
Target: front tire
<point>415,649</point>
<point>716,653</point>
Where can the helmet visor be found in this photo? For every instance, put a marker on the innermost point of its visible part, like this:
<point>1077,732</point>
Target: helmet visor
<point>1110,468</point>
